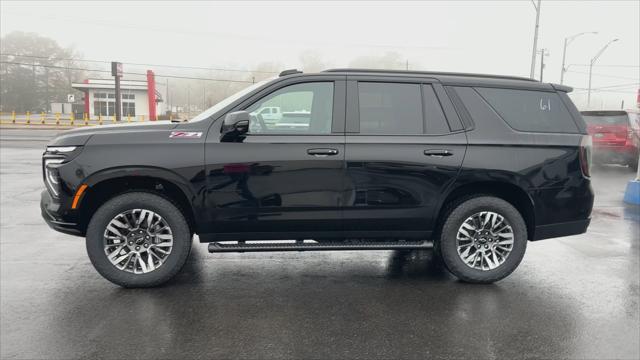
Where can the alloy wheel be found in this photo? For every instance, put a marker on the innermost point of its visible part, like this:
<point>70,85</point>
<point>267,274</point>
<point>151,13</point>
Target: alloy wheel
<point>138,241</point>
<point>484,240</point>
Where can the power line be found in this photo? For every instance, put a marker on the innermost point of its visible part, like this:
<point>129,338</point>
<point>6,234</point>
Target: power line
<point>631,91</point>
<point>621,66</point>
<point>142,64</point>
<point>128,73</point>
<point>602,75</point>
<point>612,86</point>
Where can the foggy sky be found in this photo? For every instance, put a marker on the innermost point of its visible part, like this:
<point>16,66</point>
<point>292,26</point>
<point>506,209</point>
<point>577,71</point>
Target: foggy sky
<point>484,37</point>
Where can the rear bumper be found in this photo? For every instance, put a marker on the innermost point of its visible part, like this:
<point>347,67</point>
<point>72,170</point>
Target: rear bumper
<point>54,216</point>
<point>615,154</point>
<point>561,229</point>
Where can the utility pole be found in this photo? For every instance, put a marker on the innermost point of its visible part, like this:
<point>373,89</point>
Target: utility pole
<point>535,38</point>
<point>46,89</point>
<point>568,41</point>
<point>35,84</point>
<point>188,102</point>
<point>543,53</point>
<point>116,72</point>
<point>593,61</point>
<point>407,65</point>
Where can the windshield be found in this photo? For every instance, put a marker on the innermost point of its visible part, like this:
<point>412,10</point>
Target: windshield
<point>219,106</point>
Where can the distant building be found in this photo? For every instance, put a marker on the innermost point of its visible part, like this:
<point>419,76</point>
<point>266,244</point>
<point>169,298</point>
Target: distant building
<point>139,97</point>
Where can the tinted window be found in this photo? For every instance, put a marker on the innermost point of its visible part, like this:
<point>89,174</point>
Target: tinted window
<point>304,109</point>
<point>525,110</point>
<point>387,108</point>
<point>436,123</point>
<point>606,117</point>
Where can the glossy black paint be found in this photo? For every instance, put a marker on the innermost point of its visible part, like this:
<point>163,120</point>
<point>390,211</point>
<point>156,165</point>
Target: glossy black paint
<point>337,185</point>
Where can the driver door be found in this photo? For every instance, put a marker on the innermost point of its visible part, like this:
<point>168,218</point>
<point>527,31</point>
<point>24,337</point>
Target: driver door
<point>285,179</point>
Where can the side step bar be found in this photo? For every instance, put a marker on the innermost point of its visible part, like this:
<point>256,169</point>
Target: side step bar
<point>310,245</point>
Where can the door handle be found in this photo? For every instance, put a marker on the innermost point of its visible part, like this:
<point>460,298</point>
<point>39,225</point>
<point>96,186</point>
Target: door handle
<point>321,152</point>
<point>438,153</point>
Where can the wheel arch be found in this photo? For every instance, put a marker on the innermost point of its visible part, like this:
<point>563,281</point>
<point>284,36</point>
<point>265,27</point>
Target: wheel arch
<point>509,192</point>
<point>106,184</point>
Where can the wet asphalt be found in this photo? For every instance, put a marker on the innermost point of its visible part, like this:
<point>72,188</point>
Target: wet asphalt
<point>574,297</point>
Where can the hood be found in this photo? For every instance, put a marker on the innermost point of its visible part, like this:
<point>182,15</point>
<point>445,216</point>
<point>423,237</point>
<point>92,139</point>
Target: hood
<point>77,137</point>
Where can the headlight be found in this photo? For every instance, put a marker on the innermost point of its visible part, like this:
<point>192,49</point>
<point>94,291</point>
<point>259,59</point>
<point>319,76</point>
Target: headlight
<point>60,149</point>
<point>51,176</point>
<point>51,160</point>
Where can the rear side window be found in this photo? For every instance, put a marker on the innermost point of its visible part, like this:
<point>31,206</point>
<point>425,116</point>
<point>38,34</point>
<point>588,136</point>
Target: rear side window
<point>527,110</point>
<point>435,122</point>
<point>391,109</point>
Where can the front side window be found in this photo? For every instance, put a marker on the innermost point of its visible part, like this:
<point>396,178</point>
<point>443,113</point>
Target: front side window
<point>302,109</point>
<point>390,108</point>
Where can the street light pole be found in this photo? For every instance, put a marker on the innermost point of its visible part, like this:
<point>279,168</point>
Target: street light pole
<point>591,68</point>
<point>535,38</point>
<point>568,41</point>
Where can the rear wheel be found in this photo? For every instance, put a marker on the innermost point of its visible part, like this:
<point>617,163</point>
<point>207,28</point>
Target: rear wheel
<point>483,240</point>
<point>138,240</point>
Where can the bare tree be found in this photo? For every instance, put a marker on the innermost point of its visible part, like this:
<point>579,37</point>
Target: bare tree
<point>389,61</point>
<point>312,61</point>
<point>34,72</point>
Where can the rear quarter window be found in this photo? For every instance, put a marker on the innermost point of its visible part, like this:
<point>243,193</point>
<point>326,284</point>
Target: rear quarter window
<point>529,110</point>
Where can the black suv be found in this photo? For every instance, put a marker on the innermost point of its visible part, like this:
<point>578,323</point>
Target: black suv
<point>346,159</point>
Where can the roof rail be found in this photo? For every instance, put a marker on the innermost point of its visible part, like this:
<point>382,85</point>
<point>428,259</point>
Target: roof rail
<point>290,72</point>
<point>433,73</point>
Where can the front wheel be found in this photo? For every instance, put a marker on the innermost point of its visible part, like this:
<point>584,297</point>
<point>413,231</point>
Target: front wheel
<point>138,239</point>
<point>483,240</point>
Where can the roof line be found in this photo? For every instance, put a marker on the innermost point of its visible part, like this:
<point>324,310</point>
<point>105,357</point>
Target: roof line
<point>434,73</point>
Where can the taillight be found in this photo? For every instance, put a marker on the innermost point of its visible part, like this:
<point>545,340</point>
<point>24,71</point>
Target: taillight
<point>585,155</point>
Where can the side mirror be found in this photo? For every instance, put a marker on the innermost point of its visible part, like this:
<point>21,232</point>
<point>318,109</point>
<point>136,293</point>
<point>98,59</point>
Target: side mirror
<point>235,125</point>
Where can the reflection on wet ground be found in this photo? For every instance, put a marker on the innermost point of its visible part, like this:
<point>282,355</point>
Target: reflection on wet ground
<point>574,297</point>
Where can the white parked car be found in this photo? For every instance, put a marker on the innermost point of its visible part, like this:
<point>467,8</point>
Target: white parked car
<point>270,114</point>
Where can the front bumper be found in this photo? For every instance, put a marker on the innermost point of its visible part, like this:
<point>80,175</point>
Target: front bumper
<point>56,217</point>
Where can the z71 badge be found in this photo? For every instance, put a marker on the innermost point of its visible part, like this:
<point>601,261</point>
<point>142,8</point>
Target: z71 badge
<point>186,134</point>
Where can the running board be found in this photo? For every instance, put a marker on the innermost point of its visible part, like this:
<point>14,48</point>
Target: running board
<point>310,245</point>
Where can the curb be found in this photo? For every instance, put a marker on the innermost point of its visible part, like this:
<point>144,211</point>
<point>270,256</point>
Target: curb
<point>36,127</point>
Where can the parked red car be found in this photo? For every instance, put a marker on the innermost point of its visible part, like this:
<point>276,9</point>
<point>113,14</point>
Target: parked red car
<point>615,135</point>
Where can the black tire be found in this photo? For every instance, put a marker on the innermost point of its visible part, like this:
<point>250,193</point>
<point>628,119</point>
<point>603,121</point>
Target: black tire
<point>447,244</point>
<point>174,262</point>
<point>634,164</point>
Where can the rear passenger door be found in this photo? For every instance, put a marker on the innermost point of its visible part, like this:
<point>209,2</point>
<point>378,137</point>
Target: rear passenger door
<point>404,147</point>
